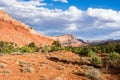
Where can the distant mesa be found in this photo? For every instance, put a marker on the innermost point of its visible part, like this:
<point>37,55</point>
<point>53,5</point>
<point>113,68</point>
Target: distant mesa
<point>69,40</point>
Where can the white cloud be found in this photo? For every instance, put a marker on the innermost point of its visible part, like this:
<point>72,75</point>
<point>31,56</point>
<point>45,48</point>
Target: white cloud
<point>104,14</point>
<point>88,23</point>
<point>71,27</point>
<point>64,1</point>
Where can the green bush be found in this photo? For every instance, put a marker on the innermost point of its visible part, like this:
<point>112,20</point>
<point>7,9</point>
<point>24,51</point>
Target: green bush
<point>8,47</point>
<point>25,49</point>
<point>114,56</point>
<point>96,60</point>
<point>113,60</point>
<point>30,48</point>
<point>56,46</point>
<point>56,43</point>
<point>91,53</point>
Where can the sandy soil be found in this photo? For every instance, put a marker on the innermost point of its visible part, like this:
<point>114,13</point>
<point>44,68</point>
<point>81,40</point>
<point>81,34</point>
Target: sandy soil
<point>37,66</point>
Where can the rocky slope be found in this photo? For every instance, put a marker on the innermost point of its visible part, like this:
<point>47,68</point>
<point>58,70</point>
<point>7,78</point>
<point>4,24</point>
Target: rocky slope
<point>15,31</point>
<point>52,66</point>
<point>68,40</point>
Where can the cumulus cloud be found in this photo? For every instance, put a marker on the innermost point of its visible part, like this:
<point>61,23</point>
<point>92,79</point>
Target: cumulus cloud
<point>63,1</point>
<point>93,23</point>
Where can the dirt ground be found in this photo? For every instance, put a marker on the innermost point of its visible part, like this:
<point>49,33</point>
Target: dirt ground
<point>53,66</point>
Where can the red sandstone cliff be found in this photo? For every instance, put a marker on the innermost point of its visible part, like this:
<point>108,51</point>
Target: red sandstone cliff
<point>15,31</point>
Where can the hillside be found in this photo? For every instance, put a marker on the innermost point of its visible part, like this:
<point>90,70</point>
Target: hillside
<point>12,30</point>
<point>55,62</point>
<point>69,40</point>
<point>15,31</point>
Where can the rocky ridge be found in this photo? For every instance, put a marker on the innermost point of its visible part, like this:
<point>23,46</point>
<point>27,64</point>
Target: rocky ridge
<point>15,31</point>
<point>68,40</point>
<point>12,30</point>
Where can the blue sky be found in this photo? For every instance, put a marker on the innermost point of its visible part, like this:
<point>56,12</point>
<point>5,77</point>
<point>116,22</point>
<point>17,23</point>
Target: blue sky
<point>85,4</point>
<point>85,19</point>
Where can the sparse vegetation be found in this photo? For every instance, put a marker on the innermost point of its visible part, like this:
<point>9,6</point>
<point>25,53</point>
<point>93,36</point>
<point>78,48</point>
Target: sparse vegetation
<point>46,49</point>
<point>30,48</point>
<point>3,65</point>
<point>90,56</point>
<point>114,56</point>
<point>56,46</point>
<point>96,60</point>
<point>7,71</point>
<point>94,74</point>
<point>91,53</point>
<point>27,69</point>
<point>22,63</point>
<point>9,47</point>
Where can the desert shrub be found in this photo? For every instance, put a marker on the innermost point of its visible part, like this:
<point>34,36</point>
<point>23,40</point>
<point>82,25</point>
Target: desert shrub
<point>3,65</point>
<point>21,63</point>
<point>56,43</point>
<point>113,60</point>
<point>70,48</point>
<point>27,69</point>
<point>26,49</point>
<point>117,49</point>
<point>96,60</point>
<point>46,49</point>
<point>32,44</point>
<point>30,48</point>
<point>94,74</point>
<point>8,47</point>
<point>94,49</point>
<point>7,71</point>
<point>56,46</point>
<point>114,56</point>
<point>76,50</point>
<point>85,60</point>
<point>91,53</point>
<point>84,51</point>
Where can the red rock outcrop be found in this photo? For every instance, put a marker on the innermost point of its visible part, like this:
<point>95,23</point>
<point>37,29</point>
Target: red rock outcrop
<point>68,40</point>
<point>15,31</point>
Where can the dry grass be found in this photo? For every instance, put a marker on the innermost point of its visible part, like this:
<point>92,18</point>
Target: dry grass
<point>27,69</point>
<point>3,65</point>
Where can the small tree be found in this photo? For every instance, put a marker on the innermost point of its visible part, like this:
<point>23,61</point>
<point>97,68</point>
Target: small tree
<point>56,43</point>
<point>55,46</point>
<point>30,48</point>
<point>32,44</point>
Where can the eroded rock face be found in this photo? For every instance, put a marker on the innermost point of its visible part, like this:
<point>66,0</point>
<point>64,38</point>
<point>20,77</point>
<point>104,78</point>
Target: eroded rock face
<point>12,30</point>
<point>68,40</point>
<point>15,31</point>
